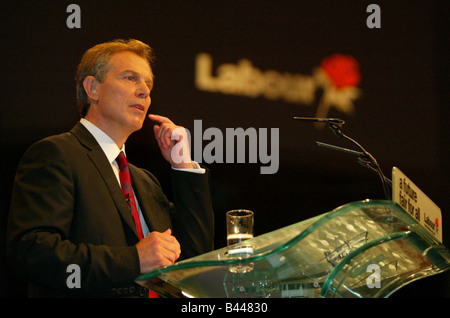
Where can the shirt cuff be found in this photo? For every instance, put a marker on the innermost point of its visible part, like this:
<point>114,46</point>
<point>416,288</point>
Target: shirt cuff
<point>196,169</point>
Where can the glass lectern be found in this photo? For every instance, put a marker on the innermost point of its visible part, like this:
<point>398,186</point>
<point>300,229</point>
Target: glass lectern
<point>362,249</point>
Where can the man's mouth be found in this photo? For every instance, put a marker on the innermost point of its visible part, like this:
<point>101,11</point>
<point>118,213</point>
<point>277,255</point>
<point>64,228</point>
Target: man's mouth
<point>138,106</point>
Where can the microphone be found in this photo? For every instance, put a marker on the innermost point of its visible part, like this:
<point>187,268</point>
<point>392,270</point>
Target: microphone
<point>324,120</point>
<point>335,124</point>
<point>364,157</point>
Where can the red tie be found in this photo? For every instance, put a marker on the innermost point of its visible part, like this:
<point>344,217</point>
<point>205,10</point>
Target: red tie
<point>127,189</point>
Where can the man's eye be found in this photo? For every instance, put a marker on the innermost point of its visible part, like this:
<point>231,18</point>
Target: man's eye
<point>130,77</point>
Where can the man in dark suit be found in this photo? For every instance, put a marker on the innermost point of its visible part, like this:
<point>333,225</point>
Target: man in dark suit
<point>68,207</point>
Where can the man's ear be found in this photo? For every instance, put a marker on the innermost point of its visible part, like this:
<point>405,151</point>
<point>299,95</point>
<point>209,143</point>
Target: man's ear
<point>90,86</point>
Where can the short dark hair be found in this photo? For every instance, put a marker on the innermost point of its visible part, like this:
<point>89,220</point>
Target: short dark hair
<point>95,62</point>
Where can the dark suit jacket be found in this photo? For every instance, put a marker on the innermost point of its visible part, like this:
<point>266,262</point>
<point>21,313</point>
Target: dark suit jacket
<point>67,208</point>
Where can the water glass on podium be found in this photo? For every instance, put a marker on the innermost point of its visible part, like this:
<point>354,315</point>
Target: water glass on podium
<point>239,228</point>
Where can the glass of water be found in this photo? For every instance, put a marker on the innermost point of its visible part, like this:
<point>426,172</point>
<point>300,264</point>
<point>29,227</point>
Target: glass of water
<point>239,226</point>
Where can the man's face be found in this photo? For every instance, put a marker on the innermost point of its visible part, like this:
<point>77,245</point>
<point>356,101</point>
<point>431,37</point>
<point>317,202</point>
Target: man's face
<point>124,95</point>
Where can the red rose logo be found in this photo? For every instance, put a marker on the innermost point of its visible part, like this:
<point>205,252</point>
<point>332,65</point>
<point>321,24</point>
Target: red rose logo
<point>339,77</point>
<point>342,70</point>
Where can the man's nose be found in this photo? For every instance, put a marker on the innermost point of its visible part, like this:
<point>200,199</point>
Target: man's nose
<point>143,90</point>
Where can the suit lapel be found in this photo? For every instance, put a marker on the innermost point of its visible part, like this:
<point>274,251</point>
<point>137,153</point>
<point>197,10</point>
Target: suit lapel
<point>98,158</point>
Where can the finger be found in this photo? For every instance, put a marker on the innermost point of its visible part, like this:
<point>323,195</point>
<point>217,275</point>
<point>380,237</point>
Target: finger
<point>167,251</point>
<point>165,134</point>
<point>165,130</point>
<point>171,255</point>
<point>165,248</point>
<point>172,242</point>
<point>174,245</point>
<point>168,237</point>
<point>166,260</point>
<point>160,119</point>
<point>160,136</point>
<point>156,130</point>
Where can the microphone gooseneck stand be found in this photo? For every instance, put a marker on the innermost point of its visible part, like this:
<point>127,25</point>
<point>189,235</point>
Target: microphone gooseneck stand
<point>364,157</point>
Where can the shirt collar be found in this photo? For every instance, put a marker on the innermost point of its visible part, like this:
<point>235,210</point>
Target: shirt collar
<point>108,146</point>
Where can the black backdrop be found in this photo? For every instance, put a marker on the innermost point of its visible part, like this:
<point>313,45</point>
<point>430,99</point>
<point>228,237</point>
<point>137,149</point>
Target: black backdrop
<point>400,116</point>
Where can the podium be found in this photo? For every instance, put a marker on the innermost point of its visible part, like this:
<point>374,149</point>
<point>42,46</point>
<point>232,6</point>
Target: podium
<point>365,249</point>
